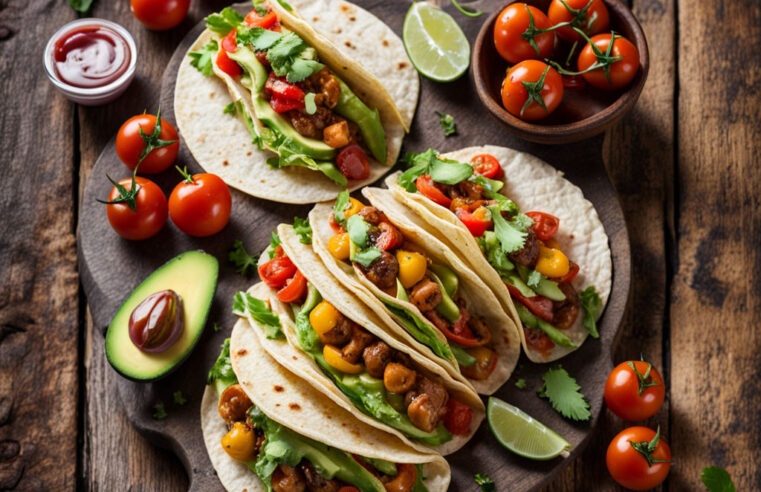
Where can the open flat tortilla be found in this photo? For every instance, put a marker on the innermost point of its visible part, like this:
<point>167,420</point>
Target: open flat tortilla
<point>350,47</point>
<point>533,185</point>
<point>481,301</point>
<point>292,402</point>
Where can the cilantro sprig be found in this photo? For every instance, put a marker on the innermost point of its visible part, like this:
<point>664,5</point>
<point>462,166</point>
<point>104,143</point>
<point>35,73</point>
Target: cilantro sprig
<point>203,59</point>
<point>447,123</point>
<point>303,229</point>
<point>484,481</point>
<point>245,305</point>
<point>564,395</point>
<point>339,208</point>
<point>244,263</point>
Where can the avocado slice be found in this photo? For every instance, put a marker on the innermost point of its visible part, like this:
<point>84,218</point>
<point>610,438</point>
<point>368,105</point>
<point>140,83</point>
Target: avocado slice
<point>192,275</point>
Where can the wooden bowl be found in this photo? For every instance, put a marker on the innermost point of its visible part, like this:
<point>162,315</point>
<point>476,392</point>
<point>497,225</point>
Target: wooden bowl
<point>582,113</point>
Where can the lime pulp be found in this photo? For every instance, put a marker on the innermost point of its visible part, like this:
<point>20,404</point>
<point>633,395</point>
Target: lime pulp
<point>522,434</point>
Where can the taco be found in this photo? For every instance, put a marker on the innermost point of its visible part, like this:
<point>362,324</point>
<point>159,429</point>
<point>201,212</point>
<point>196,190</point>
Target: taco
<point>344,349</point>
<point>265,429</point>
<point>280,112</point>
<point>385,255</point>
<point>550,267</point>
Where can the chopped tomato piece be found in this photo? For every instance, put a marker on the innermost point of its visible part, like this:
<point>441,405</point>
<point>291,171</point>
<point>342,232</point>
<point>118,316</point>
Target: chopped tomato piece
<point>279,251</point>
<point>538,340</point>
<point>276,272</point>
<point>281,105</point>
<point>539,305</point>
<point>294,290</point>
<point>545,225</point>
<point>390,237</point>
<point>458,417</point>
<point>475,224</point>
<point>487,165</point>
<point>425,185</point>
<point>460,334</point>
<point>229,44</point>
<point>352,162</point>
<point>283,95</point>
<point>266,21</point>
<point>568,277</point>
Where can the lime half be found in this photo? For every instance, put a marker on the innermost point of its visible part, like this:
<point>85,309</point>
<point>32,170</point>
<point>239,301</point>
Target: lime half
<point>522,434</point>
<point>435,43</point>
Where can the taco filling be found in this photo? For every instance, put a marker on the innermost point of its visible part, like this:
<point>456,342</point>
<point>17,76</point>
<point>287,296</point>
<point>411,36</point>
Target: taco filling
<point>286,461</point>
<point>521,247</point>
<point>379,380</point>
<point>305,113</point>
<point>365,237</point>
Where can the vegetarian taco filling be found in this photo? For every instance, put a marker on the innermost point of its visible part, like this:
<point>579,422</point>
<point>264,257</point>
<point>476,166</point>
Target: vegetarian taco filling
<point>286,461</point>
<point>365,237</point>
<point>308,115</point>
<point>521,247</point>
<point>379,380</point>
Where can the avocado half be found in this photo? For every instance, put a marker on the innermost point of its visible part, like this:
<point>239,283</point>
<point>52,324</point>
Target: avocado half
<point>192,275</point>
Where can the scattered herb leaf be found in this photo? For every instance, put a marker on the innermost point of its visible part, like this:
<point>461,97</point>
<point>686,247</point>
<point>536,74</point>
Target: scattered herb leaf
<point>717,479</point>
<point>564,395</point>
<point>485,482</point>
<point>81,6</point>
<point>159,412</point>
<point>238,256</point>
<point>520,384</point>
<point>179,398</point>
<point>447,123</point>
<point>216,327</point>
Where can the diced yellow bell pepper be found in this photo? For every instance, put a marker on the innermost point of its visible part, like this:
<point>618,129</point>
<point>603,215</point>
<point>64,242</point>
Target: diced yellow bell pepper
<point>552,262</point>
<point>354,207</point>
<point>339,246</point>
<point>240,442</point>
<point>324,317</point>
<point>412,267</point>
<point>333,357</point>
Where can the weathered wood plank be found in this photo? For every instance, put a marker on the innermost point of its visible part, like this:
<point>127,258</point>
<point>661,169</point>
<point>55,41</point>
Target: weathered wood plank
<point>716,303</point>
<point>39,292</point>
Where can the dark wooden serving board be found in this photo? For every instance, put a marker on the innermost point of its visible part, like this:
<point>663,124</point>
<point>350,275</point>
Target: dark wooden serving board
<point>111,267</point>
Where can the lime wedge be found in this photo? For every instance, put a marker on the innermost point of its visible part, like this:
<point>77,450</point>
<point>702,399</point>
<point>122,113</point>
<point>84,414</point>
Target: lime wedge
<point>435,43</point>
<point>520,433</point>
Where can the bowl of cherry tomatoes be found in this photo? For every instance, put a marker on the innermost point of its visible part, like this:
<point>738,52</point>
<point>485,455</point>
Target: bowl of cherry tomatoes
<point>560,71</point>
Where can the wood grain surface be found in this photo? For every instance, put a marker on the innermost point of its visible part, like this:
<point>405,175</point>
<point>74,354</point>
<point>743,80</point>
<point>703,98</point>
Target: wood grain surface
<point>685,163</point>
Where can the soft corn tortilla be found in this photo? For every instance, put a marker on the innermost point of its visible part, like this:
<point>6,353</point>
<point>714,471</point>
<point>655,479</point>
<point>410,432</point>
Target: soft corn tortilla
<point>480,300</point>
<point>356,45</point>
<point>533,185</point>
<point>296,405</point>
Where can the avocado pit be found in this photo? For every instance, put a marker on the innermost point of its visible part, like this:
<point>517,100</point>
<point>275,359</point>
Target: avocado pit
<point>157,322</point>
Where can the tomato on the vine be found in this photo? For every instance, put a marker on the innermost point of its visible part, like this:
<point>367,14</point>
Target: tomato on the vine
<point>638,458</point>
<point>136,216</point>
<point>634,390</point>
<point>620,72</point>
<point>161,142</point>
<point>200,204</point>
<point>591,16</point>
<point>517,22</point>
<point>160,15</point>
<point>532,90</point>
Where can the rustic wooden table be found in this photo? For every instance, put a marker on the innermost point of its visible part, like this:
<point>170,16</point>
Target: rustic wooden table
<point>684,163</point>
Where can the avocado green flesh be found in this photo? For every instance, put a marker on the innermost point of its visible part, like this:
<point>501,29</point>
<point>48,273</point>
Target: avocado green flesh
<point>193,276</point>
<point>352,108</point>
<point>545,287</point>
<point>447,307</point>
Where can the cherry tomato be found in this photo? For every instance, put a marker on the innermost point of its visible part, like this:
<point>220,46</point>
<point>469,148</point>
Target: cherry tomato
<point>568,277</point>
<point>539,305</point>
<point>592,19</point>
<point>514,21</point>
<point>538,340</point>
<point>486,165</point>
<point>426,186</point>
<point>352,162</point>
<point>390,237</point>
<point>631,395</point>
<point>149,215</point>
<point>622,72</point>
<point>545,225</point>
<point>266,21</point>
<point>515,95</point>
<point>200,205</point>
<point>159,15</point>
<point>130,145</point>
<point>476,225</point>
<point>458,417</point>
<point>229,45</point>
<point>629,467</point>
<point>294,290</point>
<point>276,272</point>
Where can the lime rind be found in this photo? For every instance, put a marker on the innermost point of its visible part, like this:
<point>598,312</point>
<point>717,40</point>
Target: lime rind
<point>522,434</point>
<point>435,44</point>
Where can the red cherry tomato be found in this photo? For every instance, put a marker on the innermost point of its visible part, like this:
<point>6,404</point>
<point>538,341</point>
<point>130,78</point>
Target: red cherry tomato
<point>476,225</point>
<point>592,20</point>
<point>229,45</point>
<point>266,21</point>
<point>512,23</point>
<point>159,15</point>
<point>568,277</point>
<point>630,395</point>
<point>426,186</point>
<point>486,165</point>
<point>130,145</point>
<point>390,237</point>
<point>545,225</point>
<point>515,94</point>
<point>622,72</point>
<point>200,206</point>
<point>149,215</point>
<point>352,162</point>
<point>458,417</point>
<point>294,290</point>
<point>539,305</point>
<point>276,272</point>
<point>629,467</point>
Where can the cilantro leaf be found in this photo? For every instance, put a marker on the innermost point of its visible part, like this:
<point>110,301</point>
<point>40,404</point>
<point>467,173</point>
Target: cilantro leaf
<point>339,208</point>
<point>717,479</point>
<point>358,230</point>
<point>282,54</point>
<point>159,412</point>
<point>534,278</point>
<point>204,58</point>
<point>447,123</point>
<point>367,256</point>
<point>274,243</point>
<point>511,235</point>
<point>179,398</point>
<point>258,37</point>
<point>417,166</point>
<point>520,384</point>
<point>245,305</point>
<point>449,172</point>
<point>492,250</point>
<point>564,395</point>
<point>303,229</point>
<point>231,108</point>
<point>239,257</point>
<point>216,327</point>
<point>222,370</point>
<point>300,69</point>
<point>224,22</point>
<point>485,482</point>
<point>591,304</point>
<point>81,6</point>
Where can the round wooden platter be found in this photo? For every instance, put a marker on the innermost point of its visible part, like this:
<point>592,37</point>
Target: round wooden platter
<point>111,267</point>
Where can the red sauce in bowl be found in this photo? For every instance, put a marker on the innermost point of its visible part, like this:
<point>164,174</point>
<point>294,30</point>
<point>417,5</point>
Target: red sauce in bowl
<point>90,56</point>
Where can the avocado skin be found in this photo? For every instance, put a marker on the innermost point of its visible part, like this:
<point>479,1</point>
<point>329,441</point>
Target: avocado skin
<point>182,274</point>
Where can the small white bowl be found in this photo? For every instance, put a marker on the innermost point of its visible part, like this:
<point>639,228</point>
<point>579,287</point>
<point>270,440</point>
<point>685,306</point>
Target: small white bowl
<point>91,96</point>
